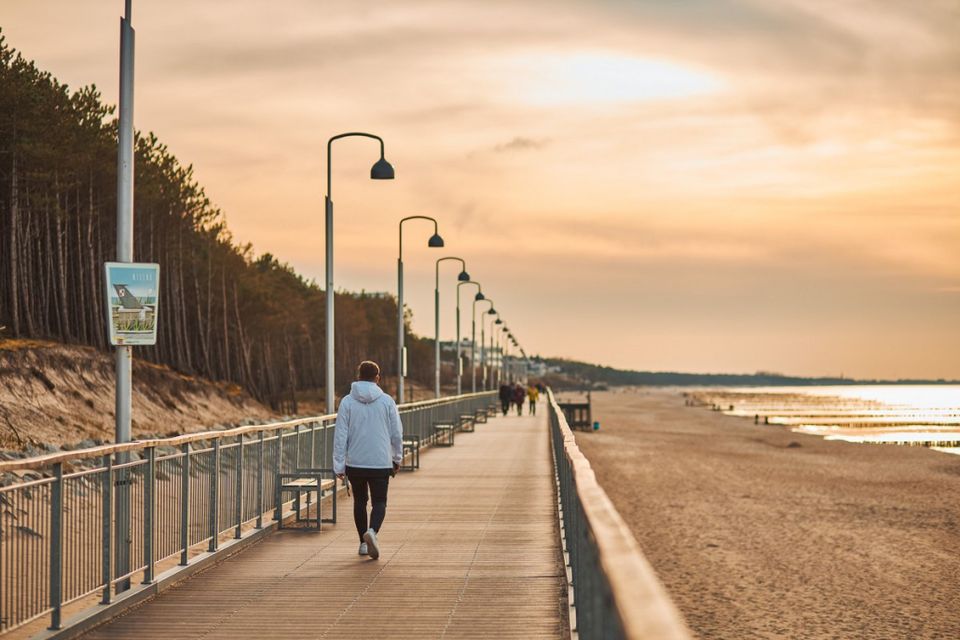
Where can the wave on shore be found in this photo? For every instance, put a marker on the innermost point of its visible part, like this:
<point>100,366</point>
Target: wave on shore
<point>911,415</point>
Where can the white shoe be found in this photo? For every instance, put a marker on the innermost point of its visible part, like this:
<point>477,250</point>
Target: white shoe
<point>363,549</point>
<point>373,548</point>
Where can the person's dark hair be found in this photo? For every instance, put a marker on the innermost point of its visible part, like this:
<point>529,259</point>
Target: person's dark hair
<point>368,371</point>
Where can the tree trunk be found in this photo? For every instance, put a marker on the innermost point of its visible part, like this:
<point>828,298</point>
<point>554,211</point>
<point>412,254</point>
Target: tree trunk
<point>14,249</point>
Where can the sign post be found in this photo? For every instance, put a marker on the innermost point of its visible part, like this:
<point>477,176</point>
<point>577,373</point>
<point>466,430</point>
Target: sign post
<point>124,254</point>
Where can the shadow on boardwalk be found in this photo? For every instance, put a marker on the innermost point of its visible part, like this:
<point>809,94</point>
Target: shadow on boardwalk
<point>470,549</point>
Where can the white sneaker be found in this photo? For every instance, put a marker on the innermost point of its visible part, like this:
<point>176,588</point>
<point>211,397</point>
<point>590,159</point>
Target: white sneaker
<point>363,549</point>
<point>373,548</point>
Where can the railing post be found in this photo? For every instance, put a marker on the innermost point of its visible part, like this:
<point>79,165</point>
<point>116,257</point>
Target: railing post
<point>323,444</point>
<point>149,513</point>
<point>277,466</point>
<point>107,530</point>
<point>56,546</point>
<point>260,461</point>
<point>296,449</point>
<point>185,506</point>
<point>237,533</point>
<point>215,497</point>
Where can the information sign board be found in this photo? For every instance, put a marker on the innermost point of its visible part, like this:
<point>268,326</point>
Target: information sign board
<point>133,290</point>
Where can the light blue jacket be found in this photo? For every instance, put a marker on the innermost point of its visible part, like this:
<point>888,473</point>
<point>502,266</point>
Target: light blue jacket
<point>368,433</point>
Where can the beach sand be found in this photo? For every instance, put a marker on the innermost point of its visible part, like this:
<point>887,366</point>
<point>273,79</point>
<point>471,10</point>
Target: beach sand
<point>758,532</point>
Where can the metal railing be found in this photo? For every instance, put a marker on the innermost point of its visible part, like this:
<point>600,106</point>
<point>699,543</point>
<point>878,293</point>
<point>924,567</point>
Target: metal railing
<point>92,521</point>
<point>615,591</point>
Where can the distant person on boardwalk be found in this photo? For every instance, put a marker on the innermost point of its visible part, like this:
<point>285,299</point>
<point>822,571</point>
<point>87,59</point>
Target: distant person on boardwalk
<point>506,397</point>
<point>368,449</point>
<point>533,394</point>
<point>519,395</point>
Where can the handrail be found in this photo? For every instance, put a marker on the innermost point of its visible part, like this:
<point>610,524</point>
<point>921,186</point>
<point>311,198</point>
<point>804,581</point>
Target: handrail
<point>50,459</point>
<point>640,604</point>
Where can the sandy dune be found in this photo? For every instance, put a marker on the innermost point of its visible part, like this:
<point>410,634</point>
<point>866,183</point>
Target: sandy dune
<point>758,532</point>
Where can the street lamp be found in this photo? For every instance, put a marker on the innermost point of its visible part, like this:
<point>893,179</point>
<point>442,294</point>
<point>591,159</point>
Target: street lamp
<point>478,296</point>
<point>506,362</point>
<point>473,340</point>
<point>381,170</point>
<point>488,354</point>
<point>123,413</point>
<point>435,242</point>
<point>498,356</point>
<point>462,277</point>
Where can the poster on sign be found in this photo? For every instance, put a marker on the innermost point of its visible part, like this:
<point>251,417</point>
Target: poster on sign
<point>132,295</point>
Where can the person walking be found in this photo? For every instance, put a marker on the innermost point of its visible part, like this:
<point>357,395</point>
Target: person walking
<point>533,394</point>
<point>368,449</point>
<point>506,397</point>
<point>519,395</point>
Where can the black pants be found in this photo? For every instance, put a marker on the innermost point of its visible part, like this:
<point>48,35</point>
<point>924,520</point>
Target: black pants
<point>505,405</point>
<point>533,407</point>
<point>373,483</point>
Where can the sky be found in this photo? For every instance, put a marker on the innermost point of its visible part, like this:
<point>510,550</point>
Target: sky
<point>693,185</point>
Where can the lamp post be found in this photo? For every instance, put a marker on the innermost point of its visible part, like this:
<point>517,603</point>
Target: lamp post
<point>436,242</point>
<point>381,170</point>
<point>478,296</point>
<point>506,361</point>
<point>497,354</point>
<point>488,359</point>
<point>124,356</point>
<point>462,277</point>
<point>473,340</point>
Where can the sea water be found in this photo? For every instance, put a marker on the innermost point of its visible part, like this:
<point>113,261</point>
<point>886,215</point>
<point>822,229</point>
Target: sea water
<point>918,415</point>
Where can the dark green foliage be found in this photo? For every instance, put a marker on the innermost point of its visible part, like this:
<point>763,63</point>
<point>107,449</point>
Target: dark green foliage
<point>591,374</point>
<point>223,313</point>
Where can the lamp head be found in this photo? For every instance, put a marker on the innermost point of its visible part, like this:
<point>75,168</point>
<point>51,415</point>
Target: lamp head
<point>435,241</point>
<point>492,311</point>
<point>499,321</point>
<point>381,170</point>
<point>463,277</point>
<point>479,296</point>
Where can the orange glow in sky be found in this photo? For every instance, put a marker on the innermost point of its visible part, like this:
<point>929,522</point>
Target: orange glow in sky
<point>707,185</point>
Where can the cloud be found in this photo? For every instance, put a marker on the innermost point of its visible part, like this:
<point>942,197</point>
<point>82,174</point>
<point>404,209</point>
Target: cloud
<point>520,143</point>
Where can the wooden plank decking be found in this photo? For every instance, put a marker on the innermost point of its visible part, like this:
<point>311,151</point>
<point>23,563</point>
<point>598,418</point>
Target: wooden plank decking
<point>469,550</point>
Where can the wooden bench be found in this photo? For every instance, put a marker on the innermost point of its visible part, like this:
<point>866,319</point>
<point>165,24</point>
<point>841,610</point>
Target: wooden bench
<point>493,408</point>
<point>307,481</point>
<point>480,416</point>
<point>411,448</point>
<point>466,422</point>
<point>443,433</point>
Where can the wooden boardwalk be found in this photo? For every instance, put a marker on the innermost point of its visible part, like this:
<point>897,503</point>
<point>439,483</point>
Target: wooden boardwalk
<point>469,550</point>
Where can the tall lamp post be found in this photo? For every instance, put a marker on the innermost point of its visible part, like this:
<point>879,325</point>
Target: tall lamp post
<point>462,277</point>
<point>473,340</point>
<point>381,170</point>
<point>498,355</point>
<point>506,361</point>
<point>478,296</point>
<point>124,355</point>
<point>436,242</point>
<point>488,360</point>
